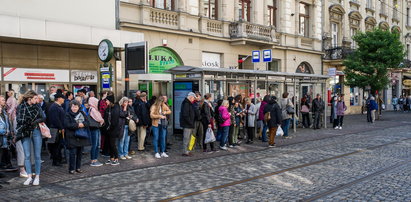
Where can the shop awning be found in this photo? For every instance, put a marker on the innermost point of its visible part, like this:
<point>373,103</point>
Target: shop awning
<point>241,72</point>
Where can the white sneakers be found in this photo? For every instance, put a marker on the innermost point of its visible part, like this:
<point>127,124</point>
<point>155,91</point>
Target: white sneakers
<point>158,156</point>
<point>128,157</point>
<point>123,158</point>
<point>28,181</point>
<point>36,180</point>
<point>24,174</point>
<point>338,127</point>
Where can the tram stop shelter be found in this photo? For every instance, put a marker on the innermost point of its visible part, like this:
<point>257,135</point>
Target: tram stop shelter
<point>224,82</point>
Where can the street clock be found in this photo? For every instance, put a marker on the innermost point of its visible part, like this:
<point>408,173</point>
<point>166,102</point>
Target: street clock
<point>105,50</point>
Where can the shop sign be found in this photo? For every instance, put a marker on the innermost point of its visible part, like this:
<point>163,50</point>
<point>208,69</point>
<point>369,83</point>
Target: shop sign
<point>105,79</point>
<point>332,71</point>
<point>32,74</point>
<point>407,82</point>
<point>81,76</point>
<point>163,58</point>
<point>211,60</point>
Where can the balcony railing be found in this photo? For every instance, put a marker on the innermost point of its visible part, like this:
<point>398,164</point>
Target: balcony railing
<point>163,17</point>
<point>337,53</point>
<point>252,31</point>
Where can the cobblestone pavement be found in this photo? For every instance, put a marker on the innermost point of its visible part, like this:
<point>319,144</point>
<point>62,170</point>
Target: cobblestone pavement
<point>366,162</point>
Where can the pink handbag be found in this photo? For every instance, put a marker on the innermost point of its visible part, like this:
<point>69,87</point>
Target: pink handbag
<point>305,109</point>
<point>45,131</point>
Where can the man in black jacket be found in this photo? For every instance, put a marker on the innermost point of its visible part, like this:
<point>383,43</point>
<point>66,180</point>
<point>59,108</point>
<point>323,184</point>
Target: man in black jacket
<point>318,108</point>
<point>198,126</point>
<point>187,119</point>
<point>55,121</point>
<point>142,110</point>
<point>275,118</point>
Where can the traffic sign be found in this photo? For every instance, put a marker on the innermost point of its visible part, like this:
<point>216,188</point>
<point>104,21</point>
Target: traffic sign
<point>267,57</point>
<point>256,56</point>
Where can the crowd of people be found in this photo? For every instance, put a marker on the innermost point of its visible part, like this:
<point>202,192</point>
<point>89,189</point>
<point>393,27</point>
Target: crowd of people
<point>68,122</point>
<point>403,103</point>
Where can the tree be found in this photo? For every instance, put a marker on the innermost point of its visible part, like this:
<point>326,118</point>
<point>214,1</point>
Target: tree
<point>377,52</point>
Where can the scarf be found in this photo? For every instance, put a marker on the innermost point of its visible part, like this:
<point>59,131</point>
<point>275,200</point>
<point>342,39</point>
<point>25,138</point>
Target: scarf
<point>94,113</point>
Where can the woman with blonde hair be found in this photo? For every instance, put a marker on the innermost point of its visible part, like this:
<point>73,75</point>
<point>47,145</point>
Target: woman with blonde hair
<point>159,123</point>
<point>28,118</point>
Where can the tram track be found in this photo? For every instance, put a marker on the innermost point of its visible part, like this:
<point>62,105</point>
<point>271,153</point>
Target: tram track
<point>354,182</point>
<point>231,164</point>
<point>295,168</point>
<point>228,154</point>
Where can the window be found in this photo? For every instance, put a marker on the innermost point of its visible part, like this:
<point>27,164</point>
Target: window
<point>163,4</point>
<point>334,34</point>
<point>408,17</point>
<point>408,51</point>
<point>244,10</point>
<point>304,19</point>
<point>274,65</point>
<point>272,13</point>
<point>353,32</point>
<point>211,9</point>
<point>369,4</point>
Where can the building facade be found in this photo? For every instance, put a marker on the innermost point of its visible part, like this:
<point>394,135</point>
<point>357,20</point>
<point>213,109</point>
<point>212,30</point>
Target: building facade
<point>223,34</point>
<point>54,43</point>
<point>342,20</point>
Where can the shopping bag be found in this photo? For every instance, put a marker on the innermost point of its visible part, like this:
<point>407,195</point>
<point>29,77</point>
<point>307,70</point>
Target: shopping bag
<point>192,142</point>
<point>280,131</point>
<point>209,136</point>
<point>45,131</point>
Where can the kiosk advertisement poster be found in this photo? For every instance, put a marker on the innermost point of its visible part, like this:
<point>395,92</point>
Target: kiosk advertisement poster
<point>181,90</point>
<point>105,79</point>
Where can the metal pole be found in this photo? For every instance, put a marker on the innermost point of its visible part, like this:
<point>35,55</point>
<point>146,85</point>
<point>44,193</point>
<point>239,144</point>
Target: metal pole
<point>294,103</point>
<point>323,86</point>
<point>255,102</point>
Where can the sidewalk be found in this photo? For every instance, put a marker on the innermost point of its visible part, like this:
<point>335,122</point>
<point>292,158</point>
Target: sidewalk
<point>352,124</point>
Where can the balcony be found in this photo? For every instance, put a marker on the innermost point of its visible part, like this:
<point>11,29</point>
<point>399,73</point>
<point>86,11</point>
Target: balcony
<point>337,53</point>
<point>246,30</point>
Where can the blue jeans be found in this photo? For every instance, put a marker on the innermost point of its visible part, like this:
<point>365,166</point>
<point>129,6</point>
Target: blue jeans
<point>264,132</point>
<point>123,143</point>
<point>219,133</point>
<point>95,143</point>
<point>159,132</point>
<point>224,135</point>
<point>37,142</point>
<point>4,140</point>
<point>285,125</point>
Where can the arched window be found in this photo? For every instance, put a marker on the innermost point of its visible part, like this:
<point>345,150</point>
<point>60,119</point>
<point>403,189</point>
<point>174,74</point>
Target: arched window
<point>304,68</point>
<point>370,23</point>
<point>384,26</point>
<point>336,17</point>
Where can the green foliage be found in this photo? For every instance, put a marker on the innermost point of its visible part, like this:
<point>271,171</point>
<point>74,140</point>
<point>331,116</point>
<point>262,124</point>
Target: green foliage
<point>377,52</point>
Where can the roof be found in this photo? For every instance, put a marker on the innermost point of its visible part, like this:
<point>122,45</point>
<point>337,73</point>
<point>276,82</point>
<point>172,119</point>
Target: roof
<point>250,72</point>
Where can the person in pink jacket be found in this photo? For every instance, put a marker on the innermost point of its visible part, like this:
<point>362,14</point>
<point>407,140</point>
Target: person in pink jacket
<point>224,124</point>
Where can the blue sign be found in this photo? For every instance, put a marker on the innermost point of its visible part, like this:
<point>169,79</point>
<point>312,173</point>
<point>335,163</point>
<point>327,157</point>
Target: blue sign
<point>105,79</point>
<point>256,56</point>
<point>267,57</point>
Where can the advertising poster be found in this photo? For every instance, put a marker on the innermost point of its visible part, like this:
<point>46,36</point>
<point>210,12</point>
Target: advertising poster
<point>181,90</point>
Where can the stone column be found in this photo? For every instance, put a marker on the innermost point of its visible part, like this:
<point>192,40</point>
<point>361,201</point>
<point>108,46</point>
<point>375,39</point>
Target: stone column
<point>201,8</point>
<point>181,5</point>
<point>236,13</point>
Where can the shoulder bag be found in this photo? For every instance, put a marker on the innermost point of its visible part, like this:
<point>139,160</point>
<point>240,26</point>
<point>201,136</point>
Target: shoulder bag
<point>93,123</point>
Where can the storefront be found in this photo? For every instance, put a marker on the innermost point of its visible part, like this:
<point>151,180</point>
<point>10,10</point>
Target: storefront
<point>155,81</point>
<point>40,80</point>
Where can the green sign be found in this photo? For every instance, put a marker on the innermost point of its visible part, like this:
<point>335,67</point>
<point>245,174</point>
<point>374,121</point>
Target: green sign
<point>163,58</point>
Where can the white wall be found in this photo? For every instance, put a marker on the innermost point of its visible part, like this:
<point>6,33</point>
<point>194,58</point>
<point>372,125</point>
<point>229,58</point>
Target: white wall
<point>96,13</point>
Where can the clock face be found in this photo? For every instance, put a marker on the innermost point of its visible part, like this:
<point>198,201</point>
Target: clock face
<point>103,50</point>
